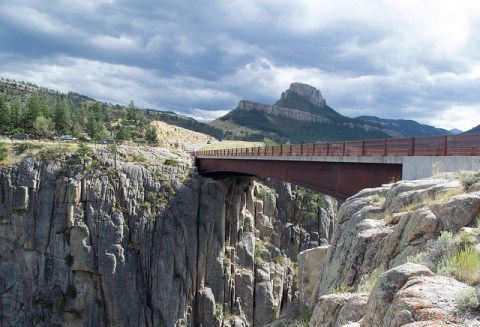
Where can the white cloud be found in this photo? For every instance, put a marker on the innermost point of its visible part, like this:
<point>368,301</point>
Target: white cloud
<point>115,43</point>
<point>390,58</point>
<point>461,117</point>
<point>207,115</point>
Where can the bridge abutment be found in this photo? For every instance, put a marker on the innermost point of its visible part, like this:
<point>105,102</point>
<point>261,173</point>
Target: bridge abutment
<point>427,166</point>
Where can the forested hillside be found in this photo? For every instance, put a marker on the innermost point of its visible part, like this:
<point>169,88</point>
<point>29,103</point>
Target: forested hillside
<point>28,108</point>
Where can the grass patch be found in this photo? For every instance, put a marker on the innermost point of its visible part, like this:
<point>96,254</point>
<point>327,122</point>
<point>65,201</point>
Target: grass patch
<point>452,256</point>
<point>468,178</point>
<point>389,219</point>
<point>378,198</point>
<point>463,264</point>
<point>275,311</point>
<point>412,206</point>
<point>448,194</point>
<point>259,249</point>
<point>368,283</point>
<point>138,158</point>
<point>426,198</point>
<point>21,148</point>
<point>52,153</point>
<point>305,315</point>
<point>342,288</point>
<point>231,145</point>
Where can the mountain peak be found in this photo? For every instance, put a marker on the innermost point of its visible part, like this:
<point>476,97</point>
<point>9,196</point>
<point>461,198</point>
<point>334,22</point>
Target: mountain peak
<point>308,92</point>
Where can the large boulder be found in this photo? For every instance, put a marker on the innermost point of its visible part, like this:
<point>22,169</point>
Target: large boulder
<point>339,309</point>
<point>411,293</point>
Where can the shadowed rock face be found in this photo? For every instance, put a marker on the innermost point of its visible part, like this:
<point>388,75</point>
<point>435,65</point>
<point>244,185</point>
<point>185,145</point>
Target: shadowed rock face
<point>145,244</point>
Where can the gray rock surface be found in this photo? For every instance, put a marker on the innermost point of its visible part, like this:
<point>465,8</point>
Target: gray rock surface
<point>339,309</point>
<point>411,294</point>
<point>105,242</point>
<point>380,229</point>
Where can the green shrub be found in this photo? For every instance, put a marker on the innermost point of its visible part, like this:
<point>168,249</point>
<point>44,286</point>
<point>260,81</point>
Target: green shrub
<point>275,312</point>
<point>3,151</point>
<point>171,162</point>
<point>280,260</point>
<point>467,299</point>
<point>52,153</point>
<point>259,248</point>
<point>263,194</point>
<point>218,310</point>
<point>436,250</point>
<point>84,150</point>
<point>468,178</point>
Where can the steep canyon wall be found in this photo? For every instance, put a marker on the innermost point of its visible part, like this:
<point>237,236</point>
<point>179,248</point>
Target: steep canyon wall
<point>104,241</point>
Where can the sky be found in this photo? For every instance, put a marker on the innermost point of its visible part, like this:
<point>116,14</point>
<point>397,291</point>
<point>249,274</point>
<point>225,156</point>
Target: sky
<point>396,59</point>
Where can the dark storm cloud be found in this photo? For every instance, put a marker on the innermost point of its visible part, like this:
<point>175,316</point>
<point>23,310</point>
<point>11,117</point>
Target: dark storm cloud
<point>384,58</point>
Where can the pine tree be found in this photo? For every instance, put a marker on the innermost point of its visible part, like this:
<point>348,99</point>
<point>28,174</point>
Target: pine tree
<point>124,133</point>
<point>5,116</point>
<point>36,106</point>
<point>61,118</point>
<point>95,122</point>
<point>16,110</point>
<point>133,113</point>
<point>151,134</point>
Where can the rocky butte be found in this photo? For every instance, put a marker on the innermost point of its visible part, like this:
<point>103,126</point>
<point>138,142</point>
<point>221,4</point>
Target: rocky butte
<point>141,240</point>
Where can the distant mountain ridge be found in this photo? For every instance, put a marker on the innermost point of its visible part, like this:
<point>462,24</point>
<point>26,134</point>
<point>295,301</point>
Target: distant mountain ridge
<point>474,130</point>
<point>406,127</point>
<point>301,115</point>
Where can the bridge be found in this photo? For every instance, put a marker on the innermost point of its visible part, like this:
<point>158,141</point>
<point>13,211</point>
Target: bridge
<point>343,168</point>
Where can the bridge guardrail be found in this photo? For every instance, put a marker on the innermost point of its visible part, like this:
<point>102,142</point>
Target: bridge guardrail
<point>437,145</point>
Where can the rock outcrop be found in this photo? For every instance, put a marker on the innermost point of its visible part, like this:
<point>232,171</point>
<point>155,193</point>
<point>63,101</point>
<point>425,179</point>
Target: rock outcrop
<point>308,92</point>
<point>280,111</point>
<point>139,240</point>
<point>382,229</point>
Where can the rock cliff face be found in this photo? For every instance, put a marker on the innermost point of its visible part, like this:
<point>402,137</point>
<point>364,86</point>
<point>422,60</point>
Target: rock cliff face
<point>306,91</point>
<point>381,230</point>
<point>144,241</point>
<point>280,111</point>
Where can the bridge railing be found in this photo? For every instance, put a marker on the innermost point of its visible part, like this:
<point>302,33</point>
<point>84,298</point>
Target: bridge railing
<point>438,145</point>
